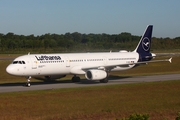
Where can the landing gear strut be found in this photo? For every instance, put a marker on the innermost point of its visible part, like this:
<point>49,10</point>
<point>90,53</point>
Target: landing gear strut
<point>28,81</point>
<point>75,79</point>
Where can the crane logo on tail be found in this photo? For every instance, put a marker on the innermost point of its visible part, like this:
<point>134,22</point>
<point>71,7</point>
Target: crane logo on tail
<point>146,44</point>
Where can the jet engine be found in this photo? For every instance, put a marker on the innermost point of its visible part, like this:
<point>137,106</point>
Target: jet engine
<point>95,74</point>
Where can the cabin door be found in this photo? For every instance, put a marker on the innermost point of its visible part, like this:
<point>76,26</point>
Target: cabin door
<point>105,60</point>
<point>34,65</point>
<point>67,62</point>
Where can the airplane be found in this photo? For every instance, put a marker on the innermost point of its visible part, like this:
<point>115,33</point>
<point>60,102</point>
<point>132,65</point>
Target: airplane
<point>95,66</point>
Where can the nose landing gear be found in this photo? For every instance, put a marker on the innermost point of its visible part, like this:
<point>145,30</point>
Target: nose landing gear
<point>28,84</point>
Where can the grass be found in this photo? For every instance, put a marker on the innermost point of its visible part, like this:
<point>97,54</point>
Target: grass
<point>159,99</point>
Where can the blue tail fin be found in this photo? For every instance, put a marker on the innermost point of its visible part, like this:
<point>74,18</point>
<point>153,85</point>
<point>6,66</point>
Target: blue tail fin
<point>144,46</point>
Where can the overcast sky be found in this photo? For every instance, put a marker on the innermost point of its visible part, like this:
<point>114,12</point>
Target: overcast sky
<point>26,17</point>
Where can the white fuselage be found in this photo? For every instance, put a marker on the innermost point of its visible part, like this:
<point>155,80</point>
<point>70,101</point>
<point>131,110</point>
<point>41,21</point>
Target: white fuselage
<point>74,63</point>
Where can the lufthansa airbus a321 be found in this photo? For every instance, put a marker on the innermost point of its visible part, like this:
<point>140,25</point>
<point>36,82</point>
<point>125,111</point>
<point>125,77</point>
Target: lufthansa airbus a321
<point>95,66</point>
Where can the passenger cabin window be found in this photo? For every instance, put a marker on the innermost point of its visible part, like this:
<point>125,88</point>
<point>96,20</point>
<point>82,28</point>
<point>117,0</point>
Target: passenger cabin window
<point>18,62</point>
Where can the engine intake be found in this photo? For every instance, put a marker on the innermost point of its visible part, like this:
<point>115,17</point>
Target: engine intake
<point>95,74</point>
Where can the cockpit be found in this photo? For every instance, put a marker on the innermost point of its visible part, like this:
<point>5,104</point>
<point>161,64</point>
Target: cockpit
<point>18,62</point>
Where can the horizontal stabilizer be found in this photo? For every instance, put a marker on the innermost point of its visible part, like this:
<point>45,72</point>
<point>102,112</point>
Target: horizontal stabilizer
<point>165,60</point>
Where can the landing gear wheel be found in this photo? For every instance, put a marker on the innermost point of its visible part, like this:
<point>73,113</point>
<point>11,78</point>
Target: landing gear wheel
<point>104,80</point>
<point>76,79</point>
<point>28,84</point>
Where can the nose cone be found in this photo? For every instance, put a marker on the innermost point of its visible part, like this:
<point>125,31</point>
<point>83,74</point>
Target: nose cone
<point>10,69</point>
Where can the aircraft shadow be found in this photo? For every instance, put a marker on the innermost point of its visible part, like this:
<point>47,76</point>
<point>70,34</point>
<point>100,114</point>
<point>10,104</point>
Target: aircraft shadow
<point>42,81</point>
<point>111,77</point>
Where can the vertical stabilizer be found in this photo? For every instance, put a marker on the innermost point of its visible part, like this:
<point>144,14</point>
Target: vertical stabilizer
<point>144,46</point>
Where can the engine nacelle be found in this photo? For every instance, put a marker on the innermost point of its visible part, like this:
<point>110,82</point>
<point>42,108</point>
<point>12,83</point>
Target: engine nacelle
<point>95,74</point>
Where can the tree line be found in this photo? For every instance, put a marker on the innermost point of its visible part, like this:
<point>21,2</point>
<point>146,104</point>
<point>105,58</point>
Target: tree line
<point>77,42</point>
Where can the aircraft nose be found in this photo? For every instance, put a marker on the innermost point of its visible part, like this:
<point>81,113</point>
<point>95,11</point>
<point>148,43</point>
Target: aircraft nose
<point>10,70</point>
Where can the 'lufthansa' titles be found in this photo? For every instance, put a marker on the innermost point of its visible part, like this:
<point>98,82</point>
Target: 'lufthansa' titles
<point>46,57</point>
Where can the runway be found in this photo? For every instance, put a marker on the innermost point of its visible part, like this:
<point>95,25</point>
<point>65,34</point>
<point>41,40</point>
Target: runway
<point>16,87</point>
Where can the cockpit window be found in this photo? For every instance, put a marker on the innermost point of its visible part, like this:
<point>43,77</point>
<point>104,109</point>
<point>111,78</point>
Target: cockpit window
<point>15,62</point>
<point>18,62</point>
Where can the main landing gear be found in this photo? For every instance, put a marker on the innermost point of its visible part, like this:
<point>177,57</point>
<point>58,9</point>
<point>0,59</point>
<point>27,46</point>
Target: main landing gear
<point>28,81</point>
<point>75,78</point>
<point>104,80</point>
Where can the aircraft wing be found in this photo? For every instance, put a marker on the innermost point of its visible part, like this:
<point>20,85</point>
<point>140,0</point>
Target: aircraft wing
<point>109,67</point>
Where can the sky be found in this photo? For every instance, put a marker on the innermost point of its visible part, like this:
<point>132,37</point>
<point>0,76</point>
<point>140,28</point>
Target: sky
<point>38,17</point>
